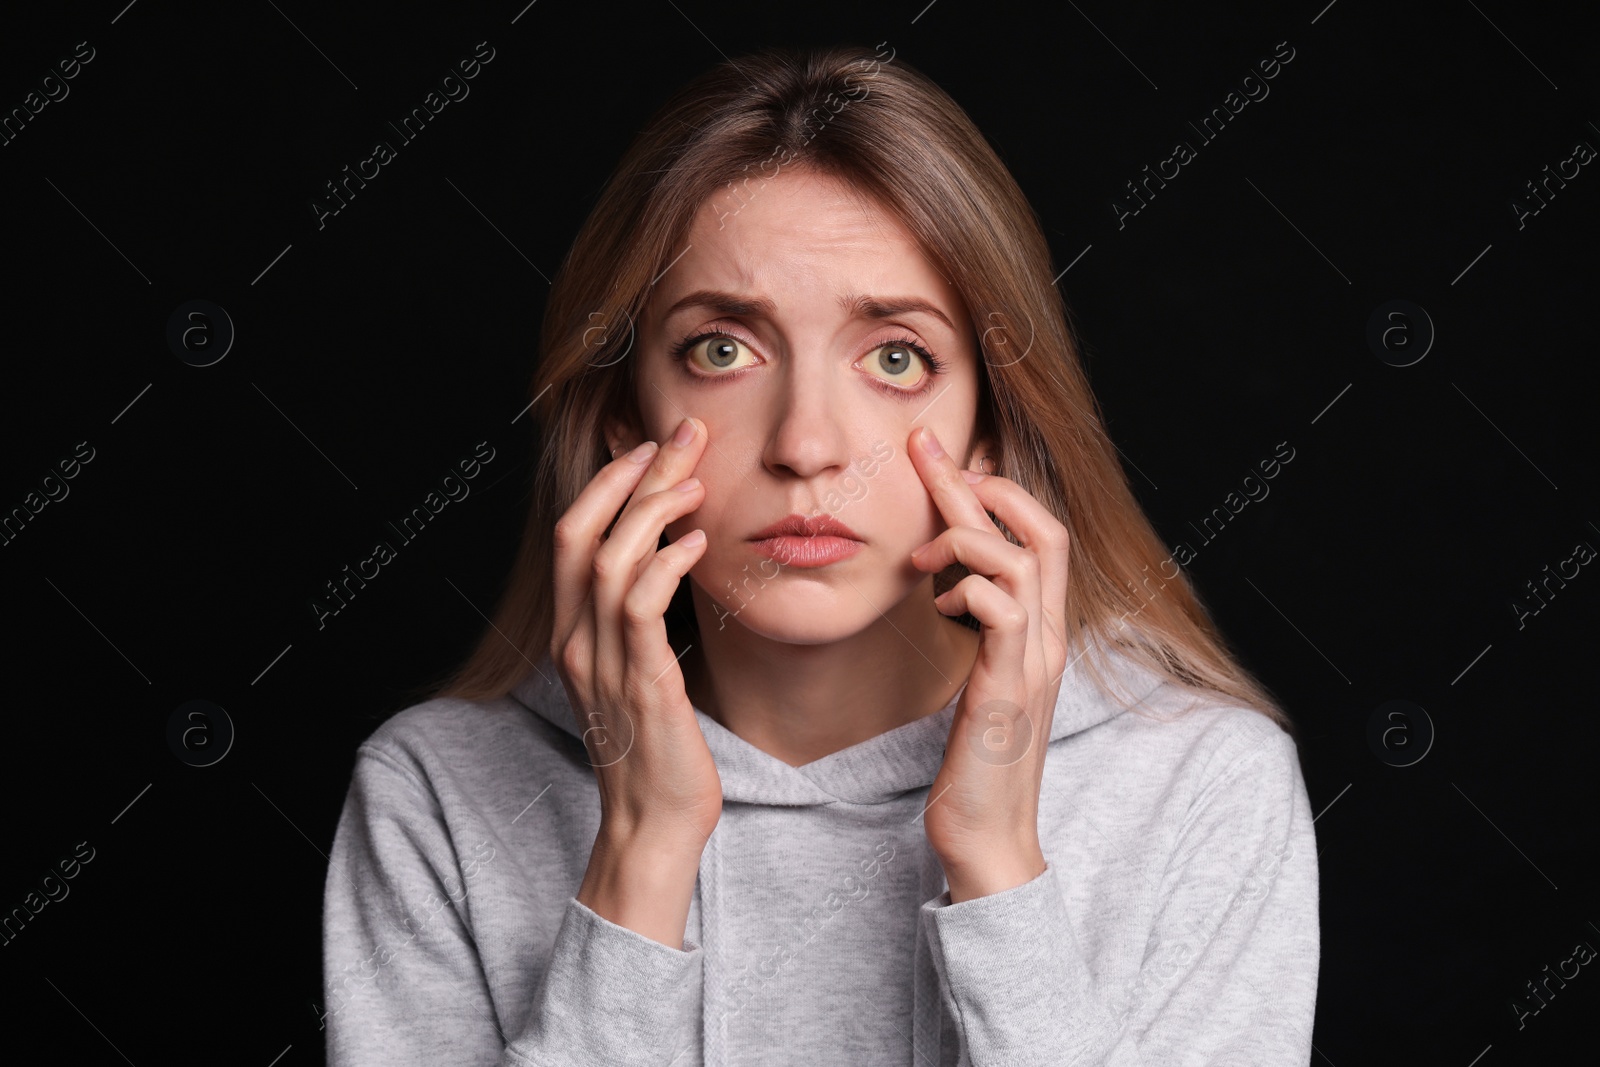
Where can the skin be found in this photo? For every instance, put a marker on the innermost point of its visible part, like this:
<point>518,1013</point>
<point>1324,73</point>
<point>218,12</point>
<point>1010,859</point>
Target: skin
<point>805,662</point>
<point>814,660</point>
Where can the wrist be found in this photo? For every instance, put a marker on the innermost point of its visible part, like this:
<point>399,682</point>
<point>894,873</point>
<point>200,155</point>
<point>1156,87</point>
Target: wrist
<point>640,884</point>
<point>985,877</point>
<point>650,848</point>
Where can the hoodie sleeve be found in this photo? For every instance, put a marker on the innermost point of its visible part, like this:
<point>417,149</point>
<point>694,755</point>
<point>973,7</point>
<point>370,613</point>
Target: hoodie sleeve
<point>1228,973</point>
<point>403,982</point>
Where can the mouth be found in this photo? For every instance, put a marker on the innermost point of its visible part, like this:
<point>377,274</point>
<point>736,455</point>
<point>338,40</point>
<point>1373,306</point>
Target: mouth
<point>799,541</point>
<point>823,526</point>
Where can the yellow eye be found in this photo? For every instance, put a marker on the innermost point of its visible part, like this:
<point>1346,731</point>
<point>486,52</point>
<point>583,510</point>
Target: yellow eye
<point>713,352</point>
<point>897,362</point>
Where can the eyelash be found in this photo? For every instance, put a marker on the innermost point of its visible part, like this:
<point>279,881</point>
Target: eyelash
<point>936,366</point>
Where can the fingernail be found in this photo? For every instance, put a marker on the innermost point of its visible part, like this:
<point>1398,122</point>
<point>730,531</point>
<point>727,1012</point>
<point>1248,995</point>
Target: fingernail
<point>692,539</point>
<point>973,477</point>
<point>684,435</point>
<point>931,443</point>
<point>687,485</point>
<point>643,452</point>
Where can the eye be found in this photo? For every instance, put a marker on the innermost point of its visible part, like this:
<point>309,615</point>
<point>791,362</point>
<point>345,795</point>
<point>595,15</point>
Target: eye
<point>890,363</point>
<point>895,362</point>
<point>720,354</point>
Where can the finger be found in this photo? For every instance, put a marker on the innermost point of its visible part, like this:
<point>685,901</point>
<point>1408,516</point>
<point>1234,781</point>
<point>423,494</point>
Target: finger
<point>1003,650</point>
<point>644,629</point>
<point>951,494</point>
<point>673,462</point>
<point>983,553</point>
<point>620,561</point>
<point>1013,568</point>
<point>579,644</point>
<point>1037,528</point>
<point>616,487</point>
<point>577,534</point>
<point>677,459</point>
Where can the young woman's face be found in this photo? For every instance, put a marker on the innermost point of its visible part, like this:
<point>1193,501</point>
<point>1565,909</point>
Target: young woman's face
<point>809,400</point>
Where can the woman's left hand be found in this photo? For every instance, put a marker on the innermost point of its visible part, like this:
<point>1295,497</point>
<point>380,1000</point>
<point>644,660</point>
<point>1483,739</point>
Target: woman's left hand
<point>982,817</point>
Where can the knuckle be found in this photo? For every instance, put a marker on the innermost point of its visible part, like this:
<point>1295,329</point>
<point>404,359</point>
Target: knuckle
<point>635,614</point>
<point>565,534</point>
<point>571,659</point>
<point>669,499</point>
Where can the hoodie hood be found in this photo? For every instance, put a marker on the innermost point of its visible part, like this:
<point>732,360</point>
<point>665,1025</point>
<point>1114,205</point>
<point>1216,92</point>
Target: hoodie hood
<point>873,771</point>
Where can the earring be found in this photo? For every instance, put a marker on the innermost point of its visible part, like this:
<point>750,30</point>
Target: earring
<point>983,465</point>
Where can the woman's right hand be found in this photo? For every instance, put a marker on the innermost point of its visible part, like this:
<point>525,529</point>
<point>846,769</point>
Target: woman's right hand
<point>660,794</point>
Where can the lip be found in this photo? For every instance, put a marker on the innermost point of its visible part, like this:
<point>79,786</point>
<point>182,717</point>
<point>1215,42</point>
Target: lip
<point>801,526</point>
<point>816,551</point>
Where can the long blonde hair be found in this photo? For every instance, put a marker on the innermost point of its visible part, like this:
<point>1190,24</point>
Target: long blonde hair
<point>899,141</point>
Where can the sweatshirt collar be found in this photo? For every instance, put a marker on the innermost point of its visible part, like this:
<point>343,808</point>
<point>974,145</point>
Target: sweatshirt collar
<point>873,771</point>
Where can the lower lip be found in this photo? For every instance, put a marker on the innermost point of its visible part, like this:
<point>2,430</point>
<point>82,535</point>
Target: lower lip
<point>807,551</point>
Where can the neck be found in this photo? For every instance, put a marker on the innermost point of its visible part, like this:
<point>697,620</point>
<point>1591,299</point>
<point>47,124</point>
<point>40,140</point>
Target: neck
<point>801,702</point>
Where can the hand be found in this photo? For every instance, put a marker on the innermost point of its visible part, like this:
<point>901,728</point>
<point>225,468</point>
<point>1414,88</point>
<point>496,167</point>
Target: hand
<point>983,807</point>
<point>659,788</point>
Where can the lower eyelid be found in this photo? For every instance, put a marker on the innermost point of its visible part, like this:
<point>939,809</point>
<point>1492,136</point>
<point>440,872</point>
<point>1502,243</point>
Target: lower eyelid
<point>906,394</point>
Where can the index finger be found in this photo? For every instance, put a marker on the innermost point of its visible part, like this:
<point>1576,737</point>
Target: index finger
<point>955,499</point>
<point>577,532</point>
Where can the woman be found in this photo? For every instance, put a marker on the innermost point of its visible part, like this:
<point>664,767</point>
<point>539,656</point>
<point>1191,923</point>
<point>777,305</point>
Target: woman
<point>808,346</point>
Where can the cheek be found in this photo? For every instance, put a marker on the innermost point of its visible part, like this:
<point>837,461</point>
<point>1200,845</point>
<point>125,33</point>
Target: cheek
<point>716,514</point>
<point>902,507</point>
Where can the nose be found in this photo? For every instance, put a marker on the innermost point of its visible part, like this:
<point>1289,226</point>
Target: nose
<point>810,433</point>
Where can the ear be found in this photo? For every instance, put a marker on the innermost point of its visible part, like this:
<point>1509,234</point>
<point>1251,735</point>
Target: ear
<point>984,446</point>
<point>621,436</point>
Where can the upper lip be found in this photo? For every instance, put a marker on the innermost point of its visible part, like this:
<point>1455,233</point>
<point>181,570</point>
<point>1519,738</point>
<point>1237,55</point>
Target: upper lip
<point>801,526</point>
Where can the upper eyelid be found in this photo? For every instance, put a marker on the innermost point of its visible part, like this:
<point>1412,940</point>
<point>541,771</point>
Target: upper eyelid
<point>714,330</point>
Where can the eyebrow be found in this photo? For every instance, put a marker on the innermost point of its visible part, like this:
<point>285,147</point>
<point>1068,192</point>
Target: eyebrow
<point>854,304</point>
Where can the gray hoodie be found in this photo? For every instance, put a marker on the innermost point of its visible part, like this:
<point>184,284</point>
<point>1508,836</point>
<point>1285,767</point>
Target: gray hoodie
<point>1176,922</point>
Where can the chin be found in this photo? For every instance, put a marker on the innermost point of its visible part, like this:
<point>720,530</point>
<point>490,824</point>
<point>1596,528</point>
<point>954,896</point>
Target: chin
<point>786,628</point>
<point>793,608</point>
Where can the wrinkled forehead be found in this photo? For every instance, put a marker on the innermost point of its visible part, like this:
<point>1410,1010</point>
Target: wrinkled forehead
<point>801,241</point>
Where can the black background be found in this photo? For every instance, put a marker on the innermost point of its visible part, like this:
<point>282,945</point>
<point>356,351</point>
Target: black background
<point>372,354</point>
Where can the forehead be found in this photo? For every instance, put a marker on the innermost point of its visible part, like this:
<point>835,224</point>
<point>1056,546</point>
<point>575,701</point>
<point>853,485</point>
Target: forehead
<point>799,238</point>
